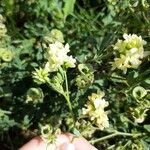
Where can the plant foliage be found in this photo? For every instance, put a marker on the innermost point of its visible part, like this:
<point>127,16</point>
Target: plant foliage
<point>97,85</point>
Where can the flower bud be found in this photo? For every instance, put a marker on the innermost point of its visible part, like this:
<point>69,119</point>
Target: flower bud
<point>139,92</point>
<point>35,95</point>
<point>6,54</point>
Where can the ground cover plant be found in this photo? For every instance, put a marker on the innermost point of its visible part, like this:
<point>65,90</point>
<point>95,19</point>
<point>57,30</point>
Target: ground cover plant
<point>75,66</point>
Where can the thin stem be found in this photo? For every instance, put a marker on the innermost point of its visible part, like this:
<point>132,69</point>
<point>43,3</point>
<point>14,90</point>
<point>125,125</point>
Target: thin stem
<point>127,143</point>
<point>67,96</point>
<point>103,138</point>
<point>115,134</point>
<point>111,147</point>
<point>66,83</point>
<point>68,102</point>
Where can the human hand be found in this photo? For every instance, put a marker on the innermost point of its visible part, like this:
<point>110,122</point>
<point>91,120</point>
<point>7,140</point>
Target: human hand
<point>63,142</point>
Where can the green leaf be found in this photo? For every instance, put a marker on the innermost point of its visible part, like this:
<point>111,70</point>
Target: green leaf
<point>147,81</point>
<point>147,127</point>
<point>145,145</point>
<point>76,132</point>
<point>68,7</point>
<point>107,20</point>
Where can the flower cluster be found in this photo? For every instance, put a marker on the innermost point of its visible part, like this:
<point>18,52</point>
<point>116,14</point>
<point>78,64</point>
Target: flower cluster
<point>3,29</point>
<point>85,127</point>
<point>95,110</point>
<point>49,136</point>
<point>6,54</point>
<point>130,51</point>
<point>40,76</point>
<point>56,56</point>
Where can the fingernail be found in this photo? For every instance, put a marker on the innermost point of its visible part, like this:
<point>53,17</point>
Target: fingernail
<point>68,147</point>
<point>51,147</point>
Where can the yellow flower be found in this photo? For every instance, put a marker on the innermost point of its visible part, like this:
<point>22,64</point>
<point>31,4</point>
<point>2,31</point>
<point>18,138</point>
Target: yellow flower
<point>1,19</point>
<point>97,100</point>
<point>120,46</point>
<point>102,121</point>
<point>57,56</point>
<point>95,110</point>
<point>121,63</point>
<point>129,43</point>
<point>134,61</point>
<point>134,41</point>
<point>70,62</point>
<point>131,52</point>
<point>3,29</point>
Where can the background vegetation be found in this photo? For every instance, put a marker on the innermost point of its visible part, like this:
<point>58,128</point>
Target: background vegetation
<point>91,28</point>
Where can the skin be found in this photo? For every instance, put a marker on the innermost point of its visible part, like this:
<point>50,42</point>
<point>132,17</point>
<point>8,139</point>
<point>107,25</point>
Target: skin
<point>63,142</point>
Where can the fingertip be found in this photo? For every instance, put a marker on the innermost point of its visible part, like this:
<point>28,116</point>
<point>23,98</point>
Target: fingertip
<point>36,143</point>
<point>67,146</point>
<point>61,139</point>
<point>81,143</point>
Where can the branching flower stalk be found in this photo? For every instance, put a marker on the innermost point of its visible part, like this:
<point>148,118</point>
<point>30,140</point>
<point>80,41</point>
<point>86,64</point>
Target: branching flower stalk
<point>65,92</point>
<point>58,61</point>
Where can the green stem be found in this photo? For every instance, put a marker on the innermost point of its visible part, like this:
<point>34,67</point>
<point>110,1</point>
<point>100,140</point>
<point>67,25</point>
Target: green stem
<point>127,143</point>
<point>111,147</point>
<point>68,102</point>
<point>113,135</point>
<point>67,96</point>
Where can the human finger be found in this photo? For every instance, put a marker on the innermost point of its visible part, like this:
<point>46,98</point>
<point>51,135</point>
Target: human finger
<point>34,144</point>
<point>80,143</point>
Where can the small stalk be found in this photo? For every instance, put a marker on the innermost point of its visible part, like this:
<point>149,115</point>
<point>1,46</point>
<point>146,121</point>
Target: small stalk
<point>67,97</point>
<point>127,143</point>
<point>111,147</point>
